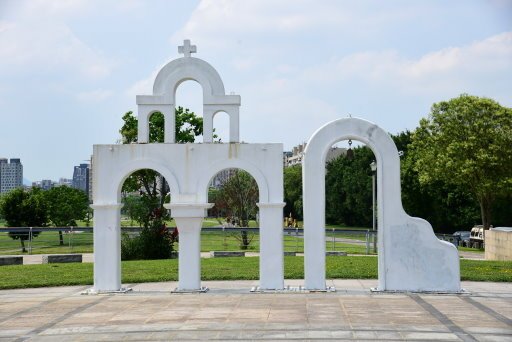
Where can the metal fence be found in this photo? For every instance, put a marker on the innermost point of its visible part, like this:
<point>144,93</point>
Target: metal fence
<point>80,240</point>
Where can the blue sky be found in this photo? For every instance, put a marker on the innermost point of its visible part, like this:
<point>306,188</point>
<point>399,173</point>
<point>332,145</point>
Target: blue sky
<point>69,70</point>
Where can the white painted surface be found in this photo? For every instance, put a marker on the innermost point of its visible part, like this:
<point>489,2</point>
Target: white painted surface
<point>411,258</point>
<point>164,96</point>
<point>188,168</point>
<point>271,246</point>
<point>107,247</point>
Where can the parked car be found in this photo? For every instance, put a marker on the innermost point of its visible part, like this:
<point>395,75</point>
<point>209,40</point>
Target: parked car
<point>461,238</point>
<point>476,238</point>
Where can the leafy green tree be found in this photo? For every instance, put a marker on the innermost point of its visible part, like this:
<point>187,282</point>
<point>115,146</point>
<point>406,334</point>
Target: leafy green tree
<point>348,189</point>
<point>292,180</point>
<point>238,197</point>
<point>151,186</point>
<point>134,208</point>
<point>154,241</point>
<point>65,206</point>
<point>448,208</point>
<point>465,142</point>
<point>22,208</point>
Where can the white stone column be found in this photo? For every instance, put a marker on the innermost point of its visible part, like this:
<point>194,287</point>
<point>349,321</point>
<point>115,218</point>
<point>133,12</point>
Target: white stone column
<point>189,219</point>
<point>271,246</point>
<point>170,124</point>
<point>143,123</point>
<point>234,124</point>
<point>207,124</point>
<point>107,247</point>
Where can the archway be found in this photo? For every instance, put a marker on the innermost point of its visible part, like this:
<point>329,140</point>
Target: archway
<point>188,168</point>
<point>411,258</point>
<point>349,204</point>
<point>271,249</point>
<point>221,127</point>
<point>189,98</point>
<point>234,194</point>
<point>107,214</point>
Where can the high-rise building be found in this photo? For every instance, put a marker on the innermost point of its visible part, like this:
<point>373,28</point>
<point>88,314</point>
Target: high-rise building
<point>11,174</point>
<point>81,178</point>
<point>65,182</point>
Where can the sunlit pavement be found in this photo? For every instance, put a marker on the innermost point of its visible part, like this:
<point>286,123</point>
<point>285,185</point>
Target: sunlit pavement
<point>229,311</point>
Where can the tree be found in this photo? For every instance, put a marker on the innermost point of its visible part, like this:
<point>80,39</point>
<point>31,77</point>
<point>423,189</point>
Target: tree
<point>238,197</point>
<point>149,183</point>
<point>448,208</point>
<point>154,241</point>
<point>22,208</point>
<point>348,189</point>
<point>292,179</point>
<point>465,142</point>
<point>65,206</point>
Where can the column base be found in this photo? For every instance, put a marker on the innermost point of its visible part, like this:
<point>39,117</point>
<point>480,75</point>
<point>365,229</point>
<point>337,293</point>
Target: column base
<point>92,291</point>
<point>200,290</point>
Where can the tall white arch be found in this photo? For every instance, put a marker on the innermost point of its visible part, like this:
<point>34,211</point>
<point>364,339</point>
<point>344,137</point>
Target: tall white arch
<point>411,258</point>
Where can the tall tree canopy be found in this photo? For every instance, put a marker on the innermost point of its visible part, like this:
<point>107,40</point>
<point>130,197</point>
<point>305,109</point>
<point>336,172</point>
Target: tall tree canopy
<point>348,189</point>
<point>65,206</point>
<point>466,142</point>
<point>22,208</point>
<point>238,196</point>
<point>292,179</point>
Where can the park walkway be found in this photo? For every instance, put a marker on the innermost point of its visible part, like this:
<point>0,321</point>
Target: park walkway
<point>230,312</point>
<point>89,257</point>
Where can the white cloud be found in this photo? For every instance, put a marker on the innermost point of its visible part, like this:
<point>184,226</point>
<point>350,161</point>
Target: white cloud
<point>481,61</point>
<point>144,86</point>
<point>97,95</point>
<point>40,40</point>
<point>53,8</point>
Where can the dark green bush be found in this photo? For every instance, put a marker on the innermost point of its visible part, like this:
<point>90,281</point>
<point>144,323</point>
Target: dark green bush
<point>154,242</point>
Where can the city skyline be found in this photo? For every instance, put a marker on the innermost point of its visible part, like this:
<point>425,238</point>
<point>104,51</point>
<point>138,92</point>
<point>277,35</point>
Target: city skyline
<point>70,71</point>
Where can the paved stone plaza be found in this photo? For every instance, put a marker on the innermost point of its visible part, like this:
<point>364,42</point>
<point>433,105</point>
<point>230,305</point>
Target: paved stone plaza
<point>230,312</point>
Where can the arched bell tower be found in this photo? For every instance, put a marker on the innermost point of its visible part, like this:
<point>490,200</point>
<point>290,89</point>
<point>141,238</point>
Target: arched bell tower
<point>164,97</point>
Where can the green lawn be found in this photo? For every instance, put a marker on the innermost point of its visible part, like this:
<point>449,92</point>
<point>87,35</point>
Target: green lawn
<point>48,243</point>
<point>21,276</point>
<point>82,242</point>
<point>467,249</point>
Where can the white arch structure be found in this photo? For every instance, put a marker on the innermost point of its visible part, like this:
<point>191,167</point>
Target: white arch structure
<point>411,258</point>
<point>188,168</point>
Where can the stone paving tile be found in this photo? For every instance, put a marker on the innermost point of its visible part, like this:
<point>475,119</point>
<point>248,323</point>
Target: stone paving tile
<point>232,313</point>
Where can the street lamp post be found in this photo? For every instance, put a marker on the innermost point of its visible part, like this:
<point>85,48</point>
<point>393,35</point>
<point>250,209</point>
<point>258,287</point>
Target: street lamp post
<point>373,167</point>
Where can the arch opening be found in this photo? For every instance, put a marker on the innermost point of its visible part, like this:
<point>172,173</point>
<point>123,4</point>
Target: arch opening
<point>350,198</point>
<point>234,193</point>
<point>152,234</point>
<point>156,122</point>
<point>189,99</point>
<point>221,127</point>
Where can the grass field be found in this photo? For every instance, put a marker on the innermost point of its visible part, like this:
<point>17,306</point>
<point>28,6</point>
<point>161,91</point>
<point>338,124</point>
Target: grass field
<point>22,276</point>
<point>82,242</point>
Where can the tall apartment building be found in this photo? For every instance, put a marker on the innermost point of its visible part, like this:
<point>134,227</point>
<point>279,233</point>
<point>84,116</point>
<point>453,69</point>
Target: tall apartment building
<point>81,178</point>
<point>11,174</point>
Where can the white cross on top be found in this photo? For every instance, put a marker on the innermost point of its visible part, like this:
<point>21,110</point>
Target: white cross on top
<point>186,48</point>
